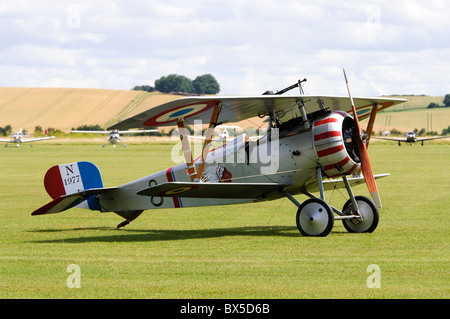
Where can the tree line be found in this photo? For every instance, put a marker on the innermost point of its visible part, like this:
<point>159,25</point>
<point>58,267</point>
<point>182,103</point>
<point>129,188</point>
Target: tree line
<point>446,102</point>
<point>203,84</point>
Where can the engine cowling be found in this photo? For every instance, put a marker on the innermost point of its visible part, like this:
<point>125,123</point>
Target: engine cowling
<point>334,144</point>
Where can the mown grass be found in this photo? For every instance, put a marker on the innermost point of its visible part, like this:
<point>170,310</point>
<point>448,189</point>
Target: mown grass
<point>240,251</point>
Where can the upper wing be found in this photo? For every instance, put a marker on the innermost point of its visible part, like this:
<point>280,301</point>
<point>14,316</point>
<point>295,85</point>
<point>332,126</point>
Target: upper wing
<point>37,139</point>
<point>213,190</point>
<point>235,109</point>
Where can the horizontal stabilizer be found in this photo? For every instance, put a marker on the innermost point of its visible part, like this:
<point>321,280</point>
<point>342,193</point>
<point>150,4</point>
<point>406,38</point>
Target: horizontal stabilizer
<point>339,183</point>
<point>213,190</point>
<point>65,202</point>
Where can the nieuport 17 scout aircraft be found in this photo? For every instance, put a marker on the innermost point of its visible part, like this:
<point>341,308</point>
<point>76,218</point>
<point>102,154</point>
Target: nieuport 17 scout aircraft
<point>312,144</point>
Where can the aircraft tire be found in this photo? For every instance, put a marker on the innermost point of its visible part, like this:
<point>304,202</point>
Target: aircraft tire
<point>369,212</point>
<point>315,218</point>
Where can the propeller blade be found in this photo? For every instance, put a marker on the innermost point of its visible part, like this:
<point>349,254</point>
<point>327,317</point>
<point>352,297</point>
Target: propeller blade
<point>364,155</point>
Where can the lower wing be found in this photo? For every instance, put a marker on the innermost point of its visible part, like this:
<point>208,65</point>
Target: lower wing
<point>214,190</point>
<point>239,190</point>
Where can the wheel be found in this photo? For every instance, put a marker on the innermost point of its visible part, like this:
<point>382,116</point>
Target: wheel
<point>315,218</point>
<point>368,211</point>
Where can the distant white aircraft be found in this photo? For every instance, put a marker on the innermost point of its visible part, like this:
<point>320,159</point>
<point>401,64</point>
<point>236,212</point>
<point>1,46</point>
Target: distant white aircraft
<point>410,138</point>
<point>223,135</point>
<point>114,135</point>
<point>18,138</point>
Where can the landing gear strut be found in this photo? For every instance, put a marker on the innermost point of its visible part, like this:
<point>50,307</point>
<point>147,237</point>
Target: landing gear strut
<point>315,216</point>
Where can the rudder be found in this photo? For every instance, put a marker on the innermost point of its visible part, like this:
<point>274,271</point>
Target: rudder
<point>66,179</point>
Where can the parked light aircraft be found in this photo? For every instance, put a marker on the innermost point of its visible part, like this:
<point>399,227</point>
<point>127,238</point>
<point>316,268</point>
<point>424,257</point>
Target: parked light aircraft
<point>312,145</point>
<point>114,135</point>
<point>410,138</point>
<point>223,135</point>
<point>19,137</point>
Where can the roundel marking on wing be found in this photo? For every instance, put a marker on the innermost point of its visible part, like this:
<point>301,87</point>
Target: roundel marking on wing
<point>173,114</point>
<point>178,190</point>
<point>363,111</point>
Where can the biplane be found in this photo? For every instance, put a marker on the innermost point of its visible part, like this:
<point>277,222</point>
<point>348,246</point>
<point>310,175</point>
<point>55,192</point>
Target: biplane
<point>410,138</point>
<point>114,135</point>
<point>19,138</point>
<point>313,144</point>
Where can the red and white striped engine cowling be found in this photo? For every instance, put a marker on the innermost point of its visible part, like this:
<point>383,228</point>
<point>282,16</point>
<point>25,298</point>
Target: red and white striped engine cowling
<point>330,148</point>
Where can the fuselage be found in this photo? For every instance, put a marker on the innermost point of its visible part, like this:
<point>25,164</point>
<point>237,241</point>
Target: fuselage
<point>288,155</point>
<point>410,137</point>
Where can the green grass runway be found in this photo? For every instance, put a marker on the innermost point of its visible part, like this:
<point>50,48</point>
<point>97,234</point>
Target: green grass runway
<point>240,251</point>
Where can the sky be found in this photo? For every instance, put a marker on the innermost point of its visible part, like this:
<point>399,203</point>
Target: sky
<point>386,47</point>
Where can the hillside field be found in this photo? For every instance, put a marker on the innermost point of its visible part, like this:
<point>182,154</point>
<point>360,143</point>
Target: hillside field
<point>66,108</point>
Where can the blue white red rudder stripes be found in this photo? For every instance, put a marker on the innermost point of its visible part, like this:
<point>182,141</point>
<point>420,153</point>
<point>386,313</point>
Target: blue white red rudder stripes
<point>65,179</point>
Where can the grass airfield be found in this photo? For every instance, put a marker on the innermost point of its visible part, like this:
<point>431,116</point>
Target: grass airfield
<point>240,251</point>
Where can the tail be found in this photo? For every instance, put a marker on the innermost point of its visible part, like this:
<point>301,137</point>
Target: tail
<point>70,185</point>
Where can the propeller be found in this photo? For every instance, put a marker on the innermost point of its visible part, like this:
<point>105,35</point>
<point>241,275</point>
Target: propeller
<point>363,154</point>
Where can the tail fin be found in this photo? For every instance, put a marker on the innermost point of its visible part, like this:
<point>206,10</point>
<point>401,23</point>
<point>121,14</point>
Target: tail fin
<point>68,185</point>
<point>66,179</point>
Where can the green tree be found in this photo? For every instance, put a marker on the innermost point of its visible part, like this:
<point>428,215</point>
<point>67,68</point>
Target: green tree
<point>174,83</point>
<point>446,131</point>
<point>146,88</point>
<point>206,84</point>
<point>432,105</point>
<point>86,127</point>
<point>5,131</point>
<point>447,100</point>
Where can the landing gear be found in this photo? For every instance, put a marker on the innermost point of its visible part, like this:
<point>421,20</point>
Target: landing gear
<point>315,218</point>
<point>368,212</point>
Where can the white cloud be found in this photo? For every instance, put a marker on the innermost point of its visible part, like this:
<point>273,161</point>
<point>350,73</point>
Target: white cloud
<point>249,46</point>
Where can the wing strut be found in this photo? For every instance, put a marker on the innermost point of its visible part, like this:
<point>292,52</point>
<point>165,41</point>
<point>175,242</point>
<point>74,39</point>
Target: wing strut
<point>186,149</point>
<point>373,115</point>
<point>369,129</point>
<point>208,139</point>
